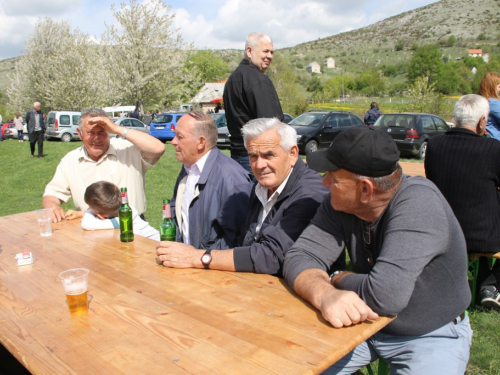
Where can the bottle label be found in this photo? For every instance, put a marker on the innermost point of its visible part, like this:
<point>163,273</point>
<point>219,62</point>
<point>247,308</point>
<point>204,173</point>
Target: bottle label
<point>167,212</point>
<point>124,197</point>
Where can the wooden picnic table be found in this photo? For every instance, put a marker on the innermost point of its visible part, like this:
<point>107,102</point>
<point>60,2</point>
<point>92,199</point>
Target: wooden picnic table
<point>148,319</point>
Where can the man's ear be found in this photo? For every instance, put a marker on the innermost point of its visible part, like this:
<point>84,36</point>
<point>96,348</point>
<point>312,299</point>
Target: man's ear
<point>79,131</point>
<point>248,52</point>
<point>294,153</point>
<point>481,125</point>
<point>202,143</point>
<point>367,190</point>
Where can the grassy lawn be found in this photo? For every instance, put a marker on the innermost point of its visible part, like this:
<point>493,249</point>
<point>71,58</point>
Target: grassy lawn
<point>23,180</point>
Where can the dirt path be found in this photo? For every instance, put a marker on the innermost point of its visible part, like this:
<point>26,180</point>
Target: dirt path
<point>413,169</point>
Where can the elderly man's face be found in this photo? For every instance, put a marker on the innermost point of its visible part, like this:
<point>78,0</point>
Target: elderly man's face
<point>94,138</point>
<point>343,188</point>
<point>270,163</point>
<point>36,107</point>
<point>187,145</point>
<point>262,55</point>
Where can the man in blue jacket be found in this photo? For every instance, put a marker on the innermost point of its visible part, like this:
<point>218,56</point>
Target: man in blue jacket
<point>210,199</point>
<point>282,203</point>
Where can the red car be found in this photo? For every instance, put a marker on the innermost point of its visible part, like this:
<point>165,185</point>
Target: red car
<point>5,126</point>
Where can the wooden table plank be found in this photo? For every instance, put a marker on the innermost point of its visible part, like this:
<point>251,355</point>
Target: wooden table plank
<point>145,318</point>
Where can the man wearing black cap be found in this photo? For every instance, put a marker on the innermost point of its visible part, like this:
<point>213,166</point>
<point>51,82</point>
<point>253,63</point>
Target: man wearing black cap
<point>408,258</point>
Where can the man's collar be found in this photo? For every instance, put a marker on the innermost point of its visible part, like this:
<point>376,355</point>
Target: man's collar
<point>200,164</point>
<point>264,192</point>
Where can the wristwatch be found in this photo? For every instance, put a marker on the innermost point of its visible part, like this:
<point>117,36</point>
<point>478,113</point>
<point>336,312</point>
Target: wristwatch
<point>124,135</point>
<point>334,274</point>
<point>206,259</point>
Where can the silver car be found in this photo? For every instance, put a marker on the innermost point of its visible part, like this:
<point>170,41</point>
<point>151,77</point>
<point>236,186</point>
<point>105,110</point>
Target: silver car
<point>130,123</point>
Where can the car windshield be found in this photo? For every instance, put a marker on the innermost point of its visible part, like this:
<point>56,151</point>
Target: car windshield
<point>307,119</point>
<point>216,116</point>
<point>159,119</point>
<point>395,120</point>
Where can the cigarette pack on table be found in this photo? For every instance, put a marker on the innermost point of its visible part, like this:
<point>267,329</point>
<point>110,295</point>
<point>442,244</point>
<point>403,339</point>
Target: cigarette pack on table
<point>24,258</point>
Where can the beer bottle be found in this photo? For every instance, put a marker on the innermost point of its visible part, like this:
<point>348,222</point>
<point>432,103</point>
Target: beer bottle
<point>167,226</point>
<point>125,218</point>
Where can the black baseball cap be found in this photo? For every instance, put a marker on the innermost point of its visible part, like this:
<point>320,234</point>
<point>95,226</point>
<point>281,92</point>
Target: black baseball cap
<point>362,150</point>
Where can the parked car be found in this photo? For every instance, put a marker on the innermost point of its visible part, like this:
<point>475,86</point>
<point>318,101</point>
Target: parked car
<point>223,141</point>
<point>62,125</point>
<point>219,119</point>
<point>11,132</point>
<point>5,125</point>
<point>163,125</point>
<point>130,123</point>
<point>287,118</point>
<point>317,129</point>
<point>412,131</point>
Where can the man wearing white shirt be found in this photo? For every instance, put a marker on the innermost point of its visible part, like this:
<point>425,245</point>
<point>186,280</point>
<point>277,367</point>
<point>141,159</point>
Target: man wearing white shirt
<point>210,200</point>
<point>283,202</point>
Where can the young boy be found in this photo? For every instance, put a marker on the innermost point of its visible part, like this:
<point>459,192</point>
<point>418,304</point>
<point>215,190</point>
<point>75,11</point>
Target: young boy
<point>104,201</point>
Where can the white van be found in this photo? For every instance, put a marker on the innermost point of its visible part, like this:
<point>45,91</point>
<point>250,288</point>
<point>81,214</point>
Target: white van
<point>62,125</point>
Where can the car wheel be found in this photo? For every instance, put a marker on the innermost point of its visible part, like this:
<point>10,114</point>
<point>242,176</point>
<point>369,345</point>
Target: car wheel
<point>422,151</point>
<point>311,146</point>
<point>66,137</point>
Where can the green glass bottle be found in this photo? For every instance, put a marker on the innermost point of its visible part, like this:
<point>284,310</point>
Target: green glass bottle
<point>167,226</point>
<point>125,218</point>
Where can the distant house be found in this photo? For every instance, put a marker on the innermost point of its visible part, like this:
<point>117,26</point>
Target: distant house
<point>330,62</point>
<point>209,95</point>
<point>475,52</point>
<point>313,67</point>
<point>486,57</point>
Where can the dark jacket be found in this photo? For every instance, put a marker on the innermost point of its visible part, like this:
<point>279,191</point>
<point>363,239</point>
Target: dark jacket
<point>290,215</point>
<point>372,115</point>
<point>218,213</point>
<point>466,168</point>
<point>248,94</point>
<point>31,121</point>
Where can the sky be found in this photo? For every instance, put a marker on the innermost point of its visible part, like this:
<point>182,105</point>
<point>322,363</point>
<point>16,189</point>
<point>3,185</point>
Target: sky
<point>215,24</point>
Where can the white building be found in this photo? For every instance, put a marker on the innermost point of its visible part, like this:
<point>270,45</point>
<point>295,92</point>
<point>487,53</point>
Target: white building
<point>313,67</point>
<point>330,62</point>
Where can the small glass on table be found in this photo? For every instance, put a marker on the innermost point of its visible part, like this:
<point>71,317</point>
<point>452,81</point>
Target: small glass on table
<point>44,217</point>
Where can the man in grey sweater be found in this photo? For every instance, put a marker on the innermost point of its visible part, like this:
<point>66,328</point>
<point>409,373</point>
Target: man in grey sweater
<point>408,258</point>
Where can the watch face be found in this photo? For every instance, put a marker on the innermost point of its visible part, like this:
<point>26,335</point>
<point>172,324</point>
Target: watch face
<point>206,259</point>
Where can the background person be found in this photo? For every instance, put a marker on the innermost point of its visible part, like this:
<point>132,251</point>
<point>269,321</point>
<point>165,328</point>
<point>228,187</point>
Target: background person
<point>210,200</point>
<point>489,87</point>
<point>466,168</point>
<point>249,94</point>
<point>373,114</point>
<point>18,123</point>
<point>36,129</point>
<point>282,203</point>
<point>123,160</point>
<point>408,259</point>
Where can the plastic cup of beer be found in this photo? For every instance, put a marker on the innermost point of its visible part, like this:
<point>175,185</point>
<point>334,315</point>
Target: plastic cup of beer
<point>75,285</point>
<point>45,221</point>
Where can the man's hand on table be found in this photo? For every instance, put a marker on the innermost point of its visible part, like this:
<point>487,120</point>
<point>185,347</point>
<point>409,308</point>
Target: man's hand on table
<point>344,308</point>
<point>178,255</point>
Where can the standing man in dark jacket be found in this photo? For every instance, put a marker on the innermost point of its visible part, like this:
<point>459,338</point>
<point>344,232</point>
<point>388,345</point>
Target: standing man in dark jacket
<point>211,194</point>
<point>36,128</point>
<point>283,202</point>
<point>466,168</point>
<point>249,94</point>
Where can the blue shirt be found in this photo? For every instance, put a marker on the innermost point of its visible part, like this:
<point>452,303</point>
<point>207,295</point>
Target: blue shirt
<point>493,125</point>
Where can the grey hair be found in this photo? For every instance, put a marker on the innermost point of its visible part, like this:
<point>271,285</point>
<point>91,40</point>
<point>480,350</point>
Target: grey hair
<point>384,183</point>
<point>253,40</point>
<point>254,128</point>
<point>35,103</point>
<point>205,126</point>
<point>92,112</point>
<point>469,109</point>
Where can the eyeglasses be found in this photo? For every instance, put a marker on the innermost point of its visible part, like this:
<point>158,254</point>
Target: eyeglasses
<point>368,238</point>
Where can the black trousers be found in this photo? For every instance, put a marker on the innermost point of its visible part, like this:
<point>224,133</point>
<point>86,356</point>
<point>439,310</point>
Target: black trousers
<point>36,137</point>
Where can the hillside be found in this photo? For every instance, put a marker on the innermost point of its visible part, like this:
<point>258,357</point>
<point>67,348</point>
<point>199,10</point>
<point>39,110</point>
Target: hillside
<point>472,22</point>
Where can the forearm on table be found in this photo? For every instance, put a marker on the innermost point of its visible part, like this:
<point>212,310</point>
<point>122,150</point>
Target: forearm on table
<point>150,147</point>
<point>311,285</point>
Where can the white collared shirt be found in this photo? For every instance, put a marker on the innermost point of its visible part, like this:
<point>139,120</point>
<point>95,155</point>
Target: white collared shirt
<point>268,203</point>
<point>194,173</point>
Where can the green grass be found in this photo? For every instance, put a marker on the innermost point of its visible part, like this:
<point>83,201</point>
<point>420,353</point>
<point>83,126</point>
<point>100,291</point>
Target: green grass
<point>23,180</point>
